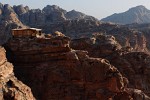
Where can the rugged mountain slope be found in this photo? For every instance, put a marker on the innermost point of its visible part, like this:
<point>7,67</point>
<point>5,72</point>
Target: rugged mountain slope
<point>138,14</point>
<point>48,15</point>
<point>133,65</point>
<point>20,17</point>
<point>10,87</point>
<point>54,71</point>
<point>54,18</point>
<point>8,21</point>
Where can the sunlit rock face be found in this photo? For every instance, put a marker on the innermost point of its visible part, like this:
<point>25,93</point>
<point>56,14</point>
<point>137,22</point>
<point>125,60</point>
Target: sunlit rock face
<point>135,66</point>
<point>99,45</point>
<point>73,24</point>
<point>8,21</point>
<point>138,14</point>
<point>10,87</point>
<point>55,71</point>
<point>132,64</point>
<point>22,17</point>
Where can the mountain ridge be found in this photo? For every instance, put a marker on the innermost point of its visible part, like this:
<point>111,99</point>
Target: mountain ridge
<point>12,17</point>
<point>139,14</point>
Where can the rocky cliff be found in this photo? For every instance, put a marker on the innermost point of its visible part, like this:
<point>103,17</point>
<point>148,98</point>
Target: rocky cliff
<point>8,21</point>
<point>132,65</point>
<point>22,16</point>
<point>73,24</point>
<point>138,14</point>
<point>55,71</point>
<point>10,87</point>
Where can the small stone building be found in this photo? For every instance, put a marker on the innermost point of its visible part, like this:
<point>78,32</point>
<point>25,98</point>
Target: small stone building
<point>29,32</point>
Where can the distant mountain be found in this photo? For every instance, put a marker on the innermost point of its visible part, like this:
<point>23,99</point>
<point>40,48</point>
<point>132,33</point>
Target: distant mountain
<point>8,20</point>
<point>138,14</point>
<point>49,14</point>
<point>22,16</point>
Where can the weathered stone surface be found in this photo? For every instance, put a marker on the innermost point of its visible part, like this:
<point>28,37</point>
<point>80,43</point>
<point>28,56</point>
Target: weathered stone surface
<point>97,46</point>
<point>8,21</point>
<point>67,74</point>
<point>21,17</point>
<point>10,87</point>
<point>54,18</point>
<point>133,65</point>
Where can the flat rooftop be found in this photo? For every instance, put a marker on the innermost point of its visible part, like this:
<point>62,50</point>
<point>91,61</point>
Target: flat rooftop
<point>28,29</point>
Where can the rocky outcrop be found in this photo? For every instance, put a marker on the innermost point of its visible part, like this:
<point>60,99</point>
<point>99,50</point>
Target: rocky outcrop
<point>10,87</point>
<point>54,71</point>
<point>129,37</point>
<point>48,15</point>
<point>138,14</point>
<point>72,15</point>
<point>21,17</point>
<point>104,45</point>
<point>99,45</point>
<point>54,18</point>
<point>8,21</point>
<point>132,65</point>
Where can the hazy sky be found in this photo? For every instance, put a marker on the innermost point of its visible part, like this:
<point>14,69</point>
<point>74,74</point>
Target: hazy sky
<point>96,8</point>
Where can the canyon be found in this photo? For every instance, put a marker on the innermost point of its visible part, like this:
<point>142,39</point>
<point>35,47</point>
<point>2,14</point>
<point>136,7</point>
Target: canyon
<point>55,71</point>
<point>77,57</point>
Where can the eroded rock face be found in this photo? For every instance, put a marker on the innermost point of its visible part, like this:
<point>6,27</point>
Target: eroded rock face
<point>133,65</point>
<point>54,71</point>
<point>10,87</point>
<point>47,16</point>
<point>22,16</point>
<point>8,21</point>
<point>73,24</point>
<point>97,46</point>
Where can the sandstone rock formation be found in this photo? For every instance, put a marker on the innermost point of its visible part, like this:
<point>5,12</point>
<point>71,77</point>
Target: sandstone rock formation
<point>144,28</point>
<point>130,37</point>
<point>99,45</point>
<point>8,21</point>
<point>48,15</point>
<point>51,66</point>
<point>138,14</point>
<point>54,18</point>
<point>135,66</point>
<point>21,17</point>
<point>54,71</point>
<point>10,87</point>
<point>132,65</point>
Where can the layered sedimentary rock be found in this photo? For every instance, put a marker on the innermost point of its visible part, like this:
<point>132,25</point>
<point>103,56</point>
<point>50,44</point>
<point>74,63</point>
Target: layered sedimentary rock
<point>22,16</point>
<point>133,65</point>
<point>77,29</point>
<point>73,24</point>
<point>10,87</point>
<point>99,45</point>
<point>54,71</point>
